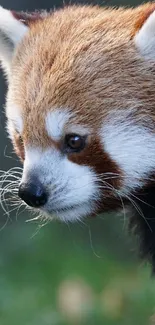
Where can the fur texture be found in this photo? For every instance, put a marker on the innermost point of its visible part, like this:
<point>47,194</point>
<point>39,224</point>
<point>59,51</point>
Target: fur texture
<point>89,73</point>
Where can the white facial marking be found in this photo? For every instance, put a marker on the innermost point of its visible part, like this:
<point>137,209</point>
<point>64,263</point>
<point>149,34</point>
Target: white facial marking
<point>145,38</point>
<point>132,147</point>
<point>11,27</point>
<point>72,188</point>
<point>15,121</point>
<point>55,122</point>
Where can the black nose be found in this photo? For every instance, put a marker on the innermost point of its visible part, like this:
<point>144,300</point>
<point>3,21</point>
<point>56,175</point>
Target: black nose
<point>32,194</point>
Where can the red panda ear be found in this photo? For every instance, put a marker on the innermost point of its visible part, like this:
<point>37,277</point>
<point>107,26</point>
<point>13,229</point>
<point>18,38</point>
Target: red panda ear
<point>13,27</point>
<point>144,34</point>
<point>28,18</point>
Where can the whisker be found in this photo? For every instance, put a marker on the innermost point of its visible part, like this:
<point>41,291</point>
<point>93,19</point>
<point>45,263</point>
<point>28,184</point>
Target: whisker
<point>9,183</point>
<point>137,198</point>
<point>5,224</point>
<point>138,209</point>
<point>90,238</point>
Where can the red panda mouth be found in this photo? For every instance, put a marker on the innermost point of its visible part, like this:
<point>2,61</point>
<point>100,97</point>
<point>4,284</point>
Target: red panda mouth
<point>72,208</point>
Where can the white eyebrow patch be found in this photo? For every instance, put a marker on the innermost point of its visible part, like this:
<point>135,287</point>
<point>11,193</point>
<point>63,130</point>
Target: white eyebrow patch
<point>55,122</point>
<point>14,117</point>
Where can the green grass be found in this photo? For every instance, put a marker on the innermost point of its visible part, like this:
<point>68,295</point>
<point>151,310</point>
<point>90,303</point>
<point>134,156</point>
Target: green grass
<point>86,275</point>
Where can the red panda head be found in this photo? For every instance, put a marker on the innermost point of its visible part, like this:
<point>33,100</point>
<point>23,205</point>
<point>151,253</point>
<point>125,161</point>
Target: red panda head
<point>80,105</point>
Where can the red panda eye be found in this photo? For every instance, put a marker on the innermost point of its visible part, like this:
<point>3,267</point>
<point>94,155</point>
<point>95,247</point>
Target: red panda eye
<point>74,143</point>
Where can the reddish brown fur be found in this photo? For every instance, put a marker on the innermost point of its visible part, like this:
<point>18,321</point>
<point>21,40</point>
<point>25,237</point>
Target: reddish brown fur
<point>19,146</point>
<point>94,156</point>
<point>83,58</point>
<point>149,8</point>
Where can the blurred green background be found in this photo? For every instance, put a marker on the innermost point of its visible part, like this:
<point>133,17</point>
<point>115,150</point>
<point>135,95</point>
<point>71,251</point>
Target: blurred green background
<point>58,274</point>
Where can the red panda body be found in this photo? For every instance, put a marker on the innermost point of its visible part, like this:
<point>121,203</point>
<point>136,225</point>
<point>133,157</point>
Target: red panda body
<point>81,109</point>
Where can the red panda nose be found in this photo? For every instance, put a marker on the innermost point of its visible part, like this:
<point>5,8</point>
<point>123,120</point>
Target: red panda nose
<point>32,194</point>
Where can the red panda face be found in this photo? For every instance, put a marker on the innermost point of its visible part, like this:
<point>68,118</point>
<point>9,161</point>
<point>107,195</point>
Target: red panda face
<point>62,168</point>
<point>78,89</point>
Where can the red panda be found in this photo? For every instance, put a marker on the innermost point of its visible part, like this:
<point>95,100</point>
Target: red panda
<point>80,110</point>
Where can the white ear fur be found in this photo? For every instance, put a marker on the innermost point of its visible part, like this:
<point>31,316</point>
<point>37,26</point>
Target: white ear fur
<point>12,31</point>
<point>145,38</point>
